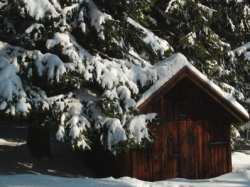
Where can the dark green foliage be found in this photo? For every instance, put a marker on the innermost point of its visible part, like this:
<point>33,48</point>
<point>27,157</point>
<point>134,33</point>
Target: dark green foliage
<point>123,8</point>
<point>205,31</point>
<point>219,26</point>
<point>38,139</point>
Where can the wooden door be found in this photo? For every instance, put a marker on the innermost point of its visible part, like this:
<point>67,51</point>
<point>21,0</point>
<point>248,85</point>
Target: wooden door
<point>190,149</point>
<point>173,151</point>
<point>184,149</point>
<point>158,152</point>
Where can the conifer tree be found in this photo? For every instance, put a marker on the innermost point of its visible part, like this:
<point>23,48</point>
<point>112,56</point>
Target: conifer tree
<point>85,63</point>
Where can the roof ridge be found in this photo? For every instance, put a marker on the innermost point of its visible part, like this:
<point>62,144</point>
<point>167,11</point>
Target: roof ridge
<point>175,64</point>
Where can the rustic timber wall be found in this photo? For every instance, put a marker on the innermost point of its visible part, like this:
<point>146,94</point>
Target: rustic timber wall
<point>193,140</point>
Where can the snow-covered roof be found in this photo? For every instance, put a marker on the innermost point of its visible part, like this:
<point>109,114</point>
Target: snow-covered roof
<point>171,66</point>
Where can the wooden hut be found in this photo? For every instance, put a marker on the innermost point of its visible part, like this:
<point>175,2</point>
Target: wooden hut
<point>193,139</point>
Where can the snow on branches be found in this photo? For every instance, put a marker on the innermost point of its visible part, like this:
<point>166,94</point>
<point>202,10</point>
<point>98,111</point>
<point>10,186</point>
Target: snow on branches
<point>12,95</point>
<point>85,64</point>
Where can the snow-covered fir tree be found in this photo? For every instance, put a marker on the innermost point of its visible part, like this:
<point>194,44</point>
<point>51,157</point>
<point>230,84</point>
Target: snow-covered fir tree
<point>81,65</point>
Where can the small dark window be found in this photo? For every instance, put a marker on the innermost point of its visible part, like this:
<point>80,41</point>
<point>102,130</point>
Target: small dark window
<point>181,111</point>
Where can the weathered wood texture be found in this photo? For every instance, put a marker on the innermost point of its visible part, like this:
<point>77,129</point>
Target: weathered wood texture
<point>192,141</point>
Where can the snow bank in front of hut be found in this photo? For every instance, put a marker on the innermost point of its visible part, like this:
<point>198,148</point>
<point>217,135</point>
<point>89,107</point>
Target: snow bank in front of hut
<point>234,179</point>
<point>241,162</point>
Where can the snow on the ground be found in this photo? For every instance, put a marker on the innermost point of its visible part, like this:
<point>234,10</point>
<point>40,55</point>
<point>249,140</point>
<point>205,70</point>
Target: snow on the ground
<point>4,142</point>
<point>30,180</point>
<point>241,161</point>
<point>240,177</point>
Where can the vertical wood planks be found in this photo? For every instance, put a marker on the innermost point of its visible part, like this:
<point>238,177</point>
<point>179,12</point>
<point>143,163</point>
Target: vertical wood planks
<point>185,143</point>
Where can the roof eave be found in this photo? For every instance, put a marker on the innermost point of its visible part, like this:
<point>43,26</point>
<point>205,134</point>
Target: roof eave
<point>211,88</point>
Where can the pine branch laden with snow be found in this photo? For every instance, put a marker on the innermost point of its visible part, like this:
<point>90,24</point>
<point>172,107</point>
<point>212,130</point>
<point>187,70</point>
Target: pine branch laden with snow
<point>38,10</point>
<point>72,123</point>
<point>243,50</point>
<point>87,62</point>
<point>49,65</point>
<point>137,128</point>
<point>158,45</point>
<point>12,94</point>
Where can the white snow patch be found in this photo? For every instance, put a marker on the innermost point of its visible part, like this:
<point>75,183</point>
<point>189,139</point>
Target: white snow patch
<point>242,49</point>
<point>98,18</point>
<point>10,82</point>
<point>247,55</point>
<point>3,3</point>
<point>174,4</point>
<point>115,132</point>
<point>208,10</point>
<point>11,87</point>
<point>234,179</point>
<point>51,65</point>
<point>40,9</point>
<point>240,161</point>
<point>59,38</point>
<point>69,48</point>
<point>231,90</point>
<point>71,118</point>
<point>33,27</point>
<point>157,44</point>
<point>137,127</point>
<point>60,134</point>
<point>110,74</point>
<point>4,142</point>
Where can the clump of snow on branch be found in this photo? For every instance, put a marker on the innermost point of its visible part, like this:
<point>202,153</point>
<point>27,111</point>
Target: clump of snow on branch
<point>98,18</point>
<point>108,88</point>
<point>78,115</point>
<point>109,74</point>
<point>10,82</point>
<point>137,128</point>
<point>115,132</point>
<point>34,32</point>
<point>232,91</point>
<point>39,9</point>
<point>59,38</point>
<point>71,120</point>
<point>121,81</point>
<point>243,50</point>
<point>3,4</point>
<point>70,48</point>
<point>158,45</point>
<point>49,64</point>
<point>125,96</point>
<point>11,89</point>
<point>16,98</point>
<point>174,4</point>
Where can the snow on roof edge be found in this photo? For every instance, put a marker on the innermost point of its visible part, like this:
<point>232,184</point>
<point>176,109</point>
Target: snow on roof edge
<point>177,62</point>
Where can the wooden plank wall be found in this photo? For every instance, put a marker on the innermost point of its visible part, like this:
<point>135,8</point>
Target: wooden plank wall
<point>220,149</point>
<point>195,144</point>
<point>206,158</point>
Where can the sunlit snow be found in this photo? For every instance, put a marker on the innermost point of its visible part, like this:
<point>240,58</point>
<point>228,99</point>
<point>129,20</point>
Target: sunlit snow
<point>240,177</point>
